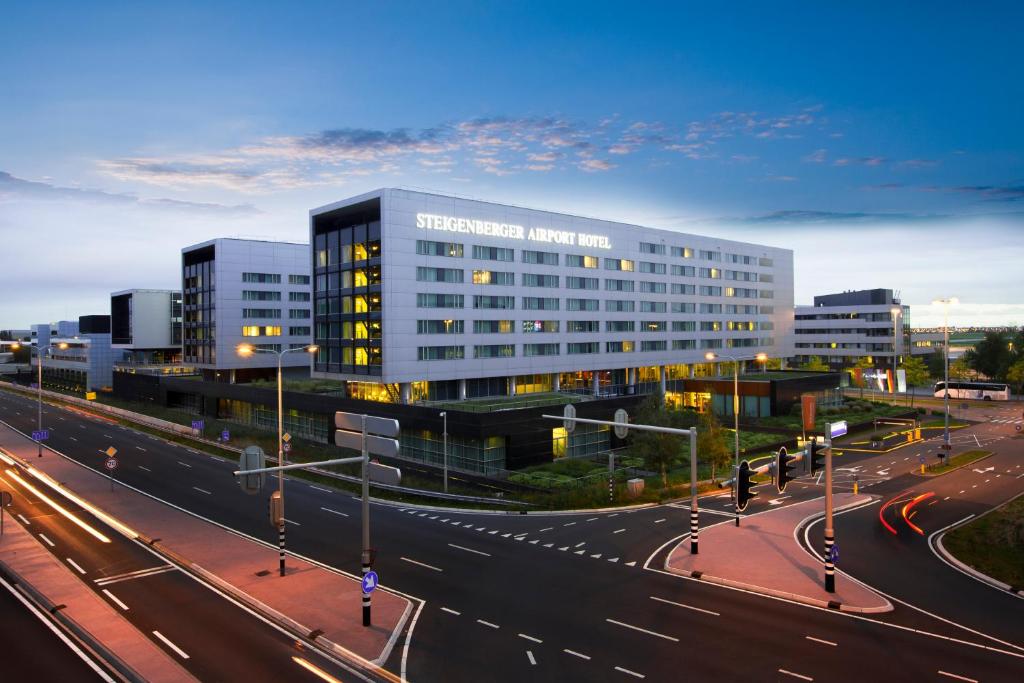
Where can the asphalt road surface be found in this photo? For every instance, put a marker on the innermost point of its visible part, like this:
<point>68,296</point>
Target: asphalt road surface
<point>555,597</point>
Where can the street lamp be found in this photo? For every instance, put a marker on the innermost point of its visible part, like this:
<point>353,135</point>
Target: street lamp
<point>39,384</point>
<point>710,355</point>
<point>444,416</point>
<point>945,345</point>
<point>245,351</point>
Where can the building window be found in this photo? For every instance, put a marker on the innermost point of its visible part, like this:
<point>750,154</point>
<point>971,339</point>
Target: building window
<point>432,248</point>
<point>261,330</point>
<point>652,287</point>
<point>618,347</point>
<point>615,306</point>
<point>653,268</point>
<point>298,296</point>
<point>539,326</point>
<point>538,303</point>
<point>299,331</point>
<point>684,326</point>
<point>683,289</point>
<point>682,252</point>
<point>493,253</point>
<point>618,264</point>
<point>654,326</point>
<point>618,285</point>
<point>581,282</point>
<point>684,271</point>
<point>619,325</point>
<point>710,326</point>
<point>494,351</point>
<point>710,343</point>
<point>574,348</point>
<point>502,302</point>
<point>298,279</point>
<point>492,326</point>
<point>541,349</point>
<point>439,326</point>
<point>765,262</point>
<point>439,300</point>
<point>683,344</point>
<point>261,313</point>
<point>536,280</point>
<point>493,277</point>
<point>649,248</point>
<point>582,326</point>
<point>653,306</point>
<point>711,308</point>
<point>687,307</point>
<point>710,290</point>
<point>582,305</point>
<point>654,345</point>
<point>580,261</point>
<point>260,295</point>
<point>426,274</point>
<point>544,258</point>
<point>262,278</point>
<point>441,352</point>
<point>709,273</point>
<point>707,255</point>
<point>298,313</point>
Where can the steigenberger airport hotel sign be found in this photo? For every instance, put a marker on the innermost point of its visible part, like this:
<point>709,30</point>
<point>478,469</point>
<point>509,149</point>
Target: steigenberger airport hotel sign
<point>430,221</point>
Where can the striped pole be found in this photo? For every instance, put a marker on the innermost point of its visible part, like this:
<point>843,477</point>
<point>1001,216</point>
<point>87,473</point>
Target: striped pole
<point>830,535</point>
<point>830,567</point>
<point>280,543</point>
<point>693,491</point>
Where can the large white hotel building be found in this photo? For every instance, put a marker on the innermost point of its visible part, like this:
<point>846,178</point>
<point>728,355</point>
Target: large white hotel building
<point>420,296</point>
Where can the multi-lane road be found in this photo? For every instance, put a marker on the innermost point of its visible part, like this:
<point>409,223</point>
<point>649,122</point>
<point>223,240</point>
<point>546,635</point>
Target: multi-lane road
<point>577,596</point>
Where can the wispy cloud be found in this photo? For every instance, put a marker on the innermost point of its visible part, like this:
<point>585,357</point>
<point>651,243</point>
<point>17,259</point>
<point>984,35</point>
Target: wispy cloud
<point>988,193</point>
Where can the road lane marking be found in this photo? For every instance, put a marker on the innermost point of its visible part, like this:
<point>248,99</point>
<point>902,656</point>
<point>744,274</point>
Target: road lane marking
<point>529,655</point>
<point>564,549</point>
<point>531,638</point>
<point>576,654</point>
<point>596,556</point>
<point>569,524</point>
<point>545,529</point>
<point>618,532</point>
<point>630,673</point>
<point>24,521</point>
<point>487,623</point>
<point>679,604</point>
<point>451,611</point>
<point>493,532</point>
<point>73,438</point>
<point>334,512</point>
<point>658,521</point>
<point>795,675</point>
<point>593,519</point>
<point>421,564</point>
<point>144,468</point>
<point>320,488</point>
<point>643,630</point>
<point>288,521</point>
<point>548,545</point>
<point>819,640</point>
<point>202,490</point>
<point>579,544</point>
<point>469,550</point>
<point>959,678</point>
<point>131,576</point>
<point>115,600</point>
<point>184,464</point>
<point>140,448</point>
<point>171,645</point>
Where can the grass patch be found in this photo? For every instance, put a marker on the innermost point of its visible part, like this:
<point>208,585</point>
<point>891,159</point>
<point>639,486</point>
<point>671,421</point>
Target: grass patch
<point>853,412</point>
<point>993,544</point>
<point>959,460</point>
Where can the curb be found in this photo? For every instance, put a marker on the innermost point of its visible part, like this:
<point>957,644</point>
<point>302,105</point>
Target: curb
<point>948,557</point>
<point>958,467</point>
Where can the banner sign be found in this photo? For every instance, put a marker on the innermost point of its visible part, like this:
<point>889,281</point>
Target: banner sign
<point>901,381</point>
<point>808,409</point>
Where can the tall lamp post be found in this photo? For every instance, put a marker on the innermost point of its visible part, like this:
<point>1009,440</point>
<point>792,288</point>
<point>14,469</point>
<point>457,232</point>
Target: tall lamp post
<point>945,347</point>
<point>444,416</point>
<point>710,355</point>
<point>39,384</point>
<point>245,351</point>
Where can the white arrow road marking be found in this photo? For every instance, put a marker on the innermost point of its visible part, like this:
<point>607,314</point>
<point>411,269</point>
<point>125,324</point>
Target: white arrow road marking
<point>778,501</point>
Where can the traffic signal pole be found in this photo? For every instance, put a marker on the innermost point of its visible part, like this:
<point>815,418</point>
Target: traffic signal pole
<point>830,534</point>
<point>366,528</point>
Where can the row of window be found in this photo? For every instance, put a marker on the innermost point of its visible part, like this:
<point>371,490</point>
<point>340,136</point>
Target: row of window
<point>482,301</point>
<point>583,326</point>
<point>273,331</point>
<point>275,313</point>
<point>265,295</point>
<point>549,258</point>
<point>455,352</point>
<point>274,278</point>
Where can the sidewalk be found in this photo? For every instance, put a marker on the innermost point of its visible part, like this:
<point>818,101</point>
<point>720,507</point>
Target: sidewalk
<point>763,556</point>
<point>308,599</point>
<point>20,551</point>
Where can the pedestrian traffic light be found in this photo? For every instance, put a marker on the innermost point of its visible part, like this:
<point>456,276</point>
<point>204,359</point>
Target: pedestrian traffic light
<point>784,470</point>
<point>817,456</point>
<point>744,486</point>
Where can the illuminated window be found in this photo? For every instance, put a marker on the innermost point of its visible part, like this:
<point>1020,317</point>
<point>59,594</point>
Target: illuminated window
<point>359,252</point>
<point>361,306</point>
<point>481,277</point>
<point>360,278</point>
<point>362,357</point>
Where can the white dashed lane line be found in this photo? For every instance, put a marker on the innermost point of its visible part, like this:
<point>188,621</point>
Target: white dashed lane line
<point>487,624</point>
<point>421,564</point>
<point>529,655</point>
<point>957,677</point>
<point>795,675</point>
<point>48,541</point>
<point>184,464</point>
<point>144,468</point>
<point>74,564</point>
<point>689,607</point>
<point>576,654</point>
<point>168,643</point>
<point>642,630</point>
<point>115,600</point>
<point>334,512</point>
<point>451,611</point>
<point>629,673</point>
<point>469,550</point>
<point>819,640</point>
<point>202,490</point>
<point>530,638</point>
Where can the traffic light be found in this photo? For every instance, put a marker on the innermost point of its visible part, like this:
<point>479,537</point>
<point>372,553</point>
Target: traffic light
<point>784,471</point>
<point>744,486</point>
<point>817,456</point>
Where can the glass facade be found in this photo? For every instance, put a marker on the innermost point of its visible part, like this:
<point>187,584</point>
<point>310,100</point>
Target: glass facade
<point>198,308</point>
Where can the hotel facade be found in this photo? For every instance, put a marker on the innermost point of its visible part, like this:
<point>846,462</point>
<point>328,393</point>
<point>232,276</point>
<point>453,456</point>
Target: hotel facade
<point>422,297</point>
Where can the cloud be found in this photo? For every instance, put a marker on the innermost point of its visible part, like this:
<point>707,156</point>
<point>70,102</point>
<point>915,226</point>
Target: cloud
<point>816,157</point>
<point>860,161</point>
<point>592,165</point>
<point>13,188</point>
<point>986,193</point>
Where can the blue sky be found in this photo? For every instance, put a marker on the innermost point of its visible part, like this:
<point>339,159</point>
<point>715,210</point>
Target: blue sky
<point>883,144</point>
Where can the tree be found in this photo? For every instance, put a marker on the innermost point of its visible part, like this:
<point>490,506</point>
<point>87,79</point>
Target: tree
<point>917,374</point>
<point>711,442</point>
<point>815,364</point>
<point>991,356</point>
<point>660,451</point>
<point>1015,375</point>
<point>937,364</point>
<point>773,364</point>
<point>959,369</point>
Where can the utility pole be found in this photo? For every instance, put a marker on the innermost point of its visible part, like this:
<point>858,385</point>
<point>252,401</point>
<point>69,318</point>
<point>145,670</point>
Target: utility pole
<point>366,527</point>
<point>444,416</point>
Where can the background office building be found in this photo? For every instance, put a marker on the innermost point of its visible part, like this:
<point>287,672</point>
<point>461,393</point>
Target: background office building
<point>245,291</point>
<point>146,325</point>
<point>86,364</point>
<point>869,326</point>
<point>44,332</point>
<point>423,297</point>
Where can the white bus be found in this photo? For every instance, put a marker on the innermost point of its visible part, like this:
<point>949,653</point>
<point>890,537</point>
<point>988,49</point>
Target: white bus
<point>985,391</point>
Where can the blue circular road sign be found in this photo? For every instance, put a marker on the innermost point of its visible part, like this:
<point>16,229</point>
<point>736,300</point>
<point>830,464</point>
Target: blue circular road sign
<point>370,581</point>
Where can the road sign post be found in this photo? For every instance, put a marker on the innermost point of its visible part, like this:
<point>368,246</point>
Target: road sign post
<point>830,534</point>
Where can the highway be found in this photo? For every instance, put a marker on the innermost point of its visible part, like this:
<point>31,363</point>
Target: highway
<point>553,597</point>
